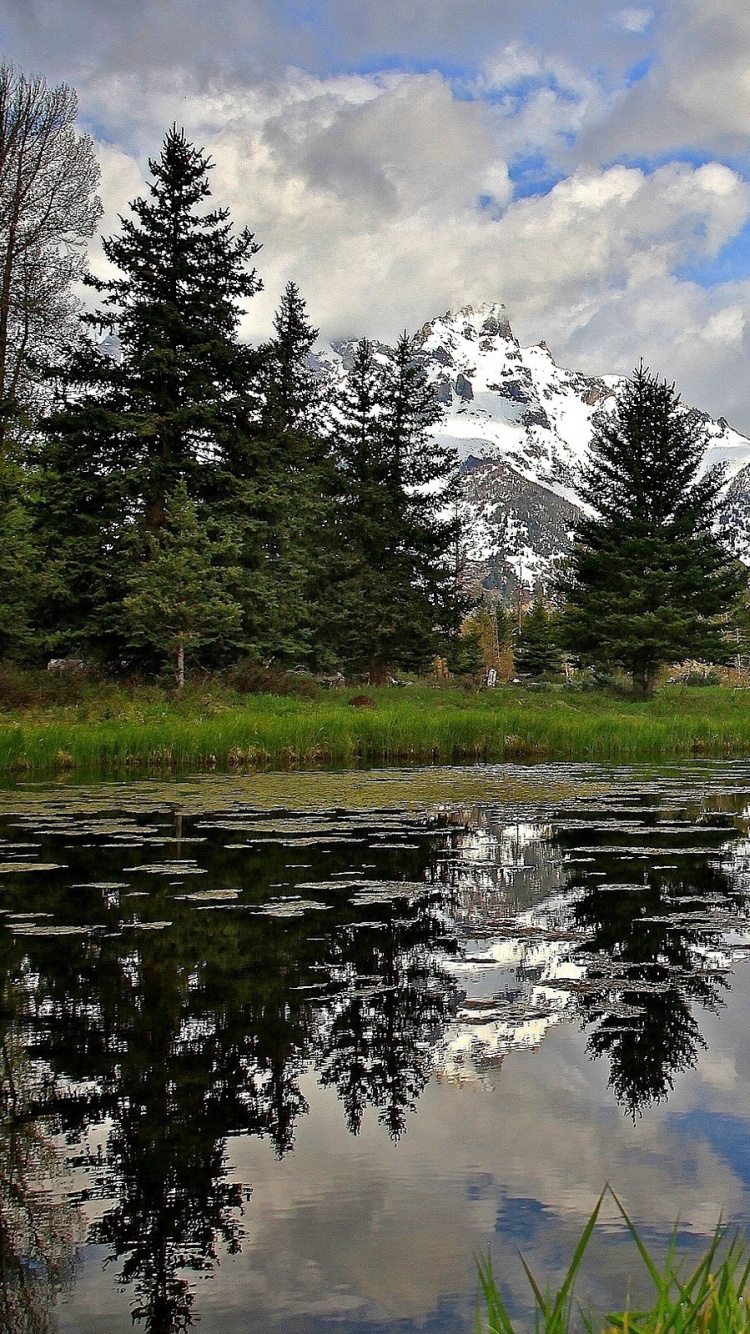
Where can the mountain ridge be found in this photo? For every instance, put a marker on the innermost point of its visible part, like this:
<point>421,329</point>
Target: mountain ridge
<point>521,426</point>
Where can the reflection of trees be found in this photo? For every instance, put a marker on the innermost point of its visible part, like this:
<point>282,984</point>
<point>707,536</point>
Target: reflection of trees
<point>175,1040</point>
<point>188,1038</point>
<point>179,1039</point>
<point>376,1037</point>
<point>649,966</point>
<point>37,1229</point>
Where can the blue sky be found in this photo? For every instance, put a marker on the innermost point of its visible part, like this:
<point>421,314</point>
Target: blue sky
<point>586,162</point>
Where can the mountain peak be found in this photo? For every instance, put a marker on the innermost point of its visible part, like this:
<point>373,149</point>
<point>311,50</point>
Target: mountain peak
<point>484,323</point>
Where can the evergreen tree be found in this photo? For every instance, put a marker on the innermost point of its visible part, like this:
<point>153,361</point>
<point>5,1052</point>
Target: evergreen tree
<point>292,396</point>
<point>23,575</point>
<point>180,599</point>
<point>393,600</point>
<point>292,489</point>
<point>537,652</point>
<point>648,580</point>
<point>175,400</point>
<point>465,653</point>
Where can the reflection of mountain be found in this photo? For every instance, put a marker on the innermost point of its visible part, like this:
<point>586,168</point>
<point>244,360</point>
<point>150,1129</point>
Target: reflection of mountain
<point>403,946</point>
<point>628,946</point>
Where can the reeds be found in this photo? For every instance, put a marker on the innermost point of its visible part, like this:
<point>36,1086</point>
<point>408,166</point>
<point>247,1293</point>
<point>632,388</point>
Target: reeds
<point>709,1298</point>
<point>419,725</point>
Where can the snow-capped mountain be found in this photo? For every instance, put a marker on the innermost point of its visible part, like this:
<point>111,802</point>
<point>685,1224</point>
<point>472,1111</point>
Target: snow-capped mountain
<point>521,426</point>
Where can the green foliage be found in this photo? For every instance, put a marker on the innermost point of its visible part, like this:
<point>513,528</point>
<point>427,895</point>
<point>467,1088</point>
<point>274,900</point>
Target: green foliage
<point>393,600</point>
<point>648,581</point>
<point>711,1298</point>
<point>537,651</point>
<point>180,599</point>
<point>285,503</point>
<point>174,402</point>
<point>465,653</point>
<point>23,577</point>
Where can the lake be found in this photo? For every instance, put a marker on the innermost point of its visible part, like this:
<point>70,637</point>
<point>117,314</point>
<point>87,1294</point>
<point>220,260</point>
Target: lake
<point>289,1052</point>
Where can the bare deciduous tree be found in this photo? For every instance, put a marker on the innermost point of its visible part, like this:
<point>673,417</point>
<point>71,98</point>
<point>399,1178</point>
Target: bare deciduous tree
<point>48,210</point>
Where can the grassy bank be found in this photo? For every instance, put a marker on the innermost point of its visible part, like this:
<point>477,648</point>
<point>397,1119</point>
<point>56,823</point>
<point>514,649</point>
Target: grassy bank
<point>109,729</point>
<point>710,1297</point>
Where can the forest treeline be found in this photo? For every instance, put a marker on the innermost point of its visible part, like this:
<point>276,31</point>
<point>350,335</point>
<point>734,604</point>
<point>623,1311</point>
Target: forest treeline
<point>168,490</point>
<point>171,494</point>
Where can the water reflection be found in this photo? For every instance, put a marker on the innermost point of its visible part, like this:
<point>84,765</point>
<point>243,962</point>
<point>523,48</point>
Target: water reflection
<point>173,979</point>
<point>38,1229</point>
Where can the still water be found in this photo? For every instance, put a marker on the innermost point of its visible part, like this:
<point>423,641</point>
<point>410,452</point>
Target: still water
<point>287,1053</point>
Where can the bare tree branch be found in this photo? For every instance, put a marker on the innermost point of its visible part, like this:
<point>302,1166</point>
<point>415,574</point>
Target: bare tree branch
<point>48,210</point>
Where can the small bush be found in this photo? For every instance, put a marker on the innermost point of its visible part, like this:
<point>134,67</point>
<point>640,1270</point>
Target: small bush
<point>250,677</point>
<point>692,678</point>
<point>26,688</point>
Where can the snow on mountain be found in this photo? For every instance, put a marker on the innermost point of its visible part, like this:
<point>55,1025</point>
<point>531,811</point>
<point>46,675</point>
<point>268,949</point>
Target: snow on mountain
<point>521,426</point>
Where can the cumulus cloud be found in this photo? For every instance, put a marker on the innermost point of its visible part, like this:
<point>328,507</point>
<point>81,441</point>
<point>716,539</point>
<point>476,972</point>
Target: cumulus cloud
<point>493,159</point>
<point>695,96</point>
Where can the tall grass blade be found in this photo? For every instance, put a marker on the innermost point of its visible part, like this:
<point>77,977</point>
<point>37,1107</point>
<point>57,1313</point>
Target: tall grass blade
<point>710,1298</point>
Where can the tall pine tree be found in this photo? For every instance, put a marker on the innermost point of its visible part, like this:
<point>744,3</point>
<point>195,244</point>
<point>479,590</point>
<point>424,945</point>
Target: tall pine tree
<point>292,488</point>
<point>394,600</point>
<point>648,580</point>
<point>175,400</point>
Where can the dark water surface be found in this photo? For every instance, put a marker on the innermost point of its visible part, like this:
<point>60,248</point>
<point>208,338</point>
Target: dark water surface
<point>286,1053</point>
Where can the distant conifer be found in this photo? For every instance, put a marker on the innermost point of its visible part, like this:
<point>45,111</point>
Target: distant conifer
<point>536,651</point>
<point>649,580</point>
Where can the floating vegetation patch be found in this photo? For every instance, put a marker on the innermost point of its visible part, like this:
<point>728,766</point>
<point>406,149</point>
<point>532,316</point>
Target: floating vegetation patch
<point>292,907</point>
<point>25,929</point>
<point>169,868</point>
<point>384,891</point>
<point>210,896</point>
<point>18,868</point>
<point>145,926</point>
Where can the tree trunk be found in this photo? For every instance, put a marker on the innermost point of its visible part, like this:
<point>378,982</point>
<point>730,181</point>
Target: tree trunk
<point>180,666</point>
<point>644,680</point>
<point>378,672</point>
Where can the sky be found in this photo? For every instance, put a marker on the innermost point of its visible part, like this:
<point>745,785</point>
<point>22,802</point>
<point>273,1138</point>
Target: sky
<point>586,162</point>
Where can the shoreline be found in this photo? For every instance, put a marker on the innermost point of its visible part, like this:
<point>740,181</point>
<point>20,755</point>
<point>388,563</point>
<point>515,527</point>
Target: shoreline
<point>421,725</point>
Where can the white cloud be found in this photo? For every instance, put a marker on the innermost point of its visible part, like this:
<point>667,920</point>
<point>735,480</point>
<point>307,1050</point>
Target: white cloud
<point>365,189</point>
<point>635,20</point>
<point>696,95</point>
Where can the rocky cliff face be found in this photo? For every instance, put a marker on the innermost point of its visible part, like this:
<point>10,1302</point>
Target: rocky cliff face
<point>521,426</point>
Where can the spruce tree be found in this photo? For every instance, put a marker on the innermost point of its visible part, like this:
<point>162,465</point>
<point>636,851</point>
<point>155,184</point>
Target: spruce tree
<point>292,395</point>
<point>292,486</point>
<point>24,575</point>
<point>648,580</point>
<point>181,597</point>
<point>175,399</point>
<point>393,600</point>
<point>536,651</point>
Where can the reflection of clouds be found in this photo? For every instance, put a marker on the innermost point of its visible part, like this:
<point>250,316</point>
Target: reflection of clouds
<point>391,1237</point>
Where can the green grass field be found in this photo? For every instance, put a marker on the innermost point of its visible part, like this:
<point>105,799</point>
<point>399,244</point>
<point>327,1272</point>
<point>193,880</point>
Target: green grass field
<point>108,729</point>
